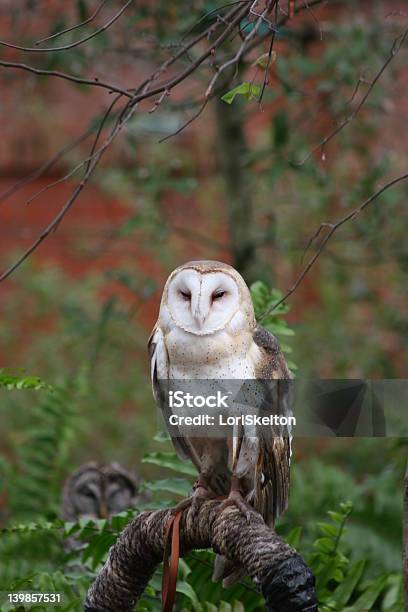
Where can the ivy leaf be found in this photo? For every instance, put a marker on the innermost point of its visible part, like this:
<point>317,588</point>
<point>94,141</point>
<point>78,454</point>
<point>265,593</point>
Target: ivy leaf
<point>249,90</point>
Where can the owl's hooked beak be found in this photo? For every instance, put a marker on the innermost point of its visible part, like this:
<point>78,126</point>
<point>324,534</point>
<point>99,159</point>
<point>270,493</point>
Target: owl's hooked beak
<point>103,511</point>
<point>199,311</point>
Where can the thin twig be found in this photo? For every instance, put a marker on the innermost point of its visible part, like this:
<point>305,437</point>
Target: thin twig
<point>38,172</point>
<point>232,19</point>
<point>266,71</point>
<point>234,61</point>
<point>129,108</point>
<point>75,27</point>
<point>103,28</point>
<point>332,227</point>
<point>84,162</point>
<point>55,222</point>
<point>315,19</point>
<point>396,47</point>
<point>236,15</point>
<point>188,122</point>
<point>95,82</point>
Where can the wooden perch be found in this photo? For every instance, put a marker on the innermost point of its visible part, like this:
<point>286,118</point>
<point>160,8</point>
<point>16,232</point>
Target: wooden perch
<point>277,570</point>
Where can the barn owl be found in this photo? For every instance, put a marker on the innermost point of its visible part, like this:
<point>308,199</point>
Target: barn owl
<point>206,329</point>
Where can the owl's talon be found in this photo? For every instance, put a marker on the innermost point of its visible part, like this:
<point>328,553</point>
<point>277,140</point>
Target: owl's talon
<point>200,495</point>
<point>235,498</point>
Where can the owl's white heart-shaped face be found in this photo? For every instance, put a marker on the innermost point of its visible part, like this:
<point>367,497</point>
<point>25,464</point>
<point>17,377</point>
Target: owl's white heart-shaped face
<point>202,303</point>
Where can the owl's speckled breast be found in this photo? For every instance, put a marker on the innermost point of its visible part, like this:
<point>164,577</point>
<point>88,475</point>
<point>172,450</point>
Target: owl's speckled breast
<point>218,355</point>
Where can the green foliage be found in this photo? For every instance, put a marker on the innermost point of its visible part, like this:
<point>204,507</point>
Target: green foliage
<point>340,584</point>
<point>170,461</point>
<point>249,91</point>
<point>36,558</point>
<point>351,318</point>
<point>264,299</point>
<point>9,382</point>
<point>35,479</point>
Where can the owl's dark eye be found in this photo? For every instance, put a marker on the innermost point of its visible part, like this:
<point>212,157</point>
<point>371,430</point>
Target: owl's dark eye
<point>218,295</point>
<point>87,492</point>
<point>186,295</point>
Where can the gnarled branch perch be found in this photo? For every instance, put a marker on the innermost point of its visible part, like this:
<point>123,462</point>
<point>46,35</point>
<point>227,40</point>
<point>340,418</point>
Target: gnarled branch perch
<point>279,572</point>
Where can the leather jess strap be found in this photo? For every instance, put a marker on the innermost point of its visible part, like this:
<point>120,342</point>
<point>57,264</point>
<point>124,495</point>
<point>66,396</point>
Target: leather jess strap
<point>171,558</point>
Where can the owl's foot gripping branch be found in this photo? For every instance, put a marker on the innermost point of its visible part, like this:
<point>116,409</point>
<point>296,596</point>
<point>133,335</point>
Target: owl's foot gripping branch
<point>279,572</point>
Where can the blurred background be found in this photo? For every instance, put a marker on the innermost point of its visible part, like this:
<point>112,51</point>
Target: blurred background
<point>246,183</point>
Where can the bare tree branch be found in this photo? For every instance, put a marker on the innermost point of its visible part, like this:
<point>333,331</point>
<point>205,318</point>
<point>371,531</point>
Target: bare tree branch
<point>332,228</point>
<point>103,28</point>
<point>85,162</point>
<point>270,51</point>
<point>123,118</point>
<point>74,27</point>
<point>277,570</point>
<point>396,47</point>
<point>237,57</point>
<point>37,173</point>
<point>95,82</point>
<point>143,92</point>
<point>188,122</point>
<point>229,24</point>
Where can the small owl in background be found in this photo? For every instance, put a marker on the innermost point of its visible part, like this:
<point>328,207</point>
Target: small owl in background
<point>100,491</point>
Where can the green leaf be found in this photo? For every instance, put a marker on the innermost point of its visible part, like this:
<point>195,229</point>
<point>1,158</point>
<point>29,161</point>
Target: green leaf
<point>329,530</point>
<point>179,486</point>
<point>345,590</point>
<point>209,607</point>
<point>280,328</point>
<point>293,537</point>
<point>370,595</point>
<point>11,382</point>
<point>336,516</point>
<point>249,90</point>
<point>70,528</point>
<point>170,461</point>
<point>393,597</point>
<point>186,589</point>
<point>324,545</point>
<point>98,547</point>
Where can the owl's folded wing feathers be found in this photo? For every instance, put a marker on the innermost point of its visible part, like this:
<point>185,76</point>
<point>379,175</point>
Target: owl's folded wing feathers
<point>272,478</point>
<point>159,371</point>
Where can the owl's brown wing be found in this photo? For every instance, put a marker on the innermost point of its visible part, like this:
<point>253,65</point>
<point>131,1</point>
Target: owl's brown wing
<point>159,362</point>
<point>272,471</point>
